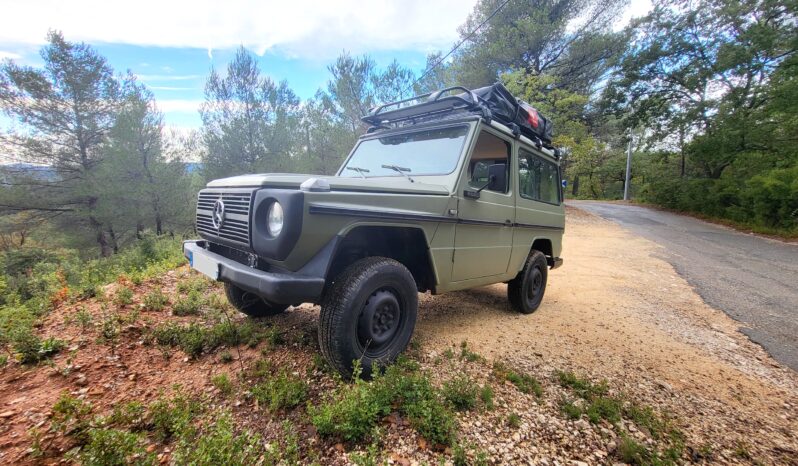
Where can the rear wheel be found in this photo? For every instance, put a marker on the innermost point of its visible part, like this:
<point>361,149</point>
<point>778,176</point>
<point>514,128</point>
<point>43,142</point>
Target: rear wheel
<point>250,303</point>
<point>526,290</point>
<point>368,315</point>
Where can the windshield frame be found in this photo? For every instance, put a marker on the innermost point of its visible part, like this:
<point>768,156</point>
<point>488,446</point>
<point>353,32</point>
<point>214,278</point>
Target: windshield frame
<point>465,123</point>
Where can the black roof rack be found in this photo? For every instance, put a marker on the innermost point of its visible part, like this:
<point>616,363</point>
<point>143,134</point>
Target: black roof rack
<point>429,105</point>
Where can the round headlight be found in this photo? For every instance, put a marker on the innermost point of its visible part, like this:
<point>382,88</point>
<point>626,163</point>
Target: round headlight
<point>275,219</point>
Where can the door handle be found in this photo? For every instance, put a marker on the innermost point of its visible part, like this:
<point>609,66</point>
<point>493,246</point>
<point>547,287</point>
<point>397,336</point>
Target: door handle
<point>508,223</point>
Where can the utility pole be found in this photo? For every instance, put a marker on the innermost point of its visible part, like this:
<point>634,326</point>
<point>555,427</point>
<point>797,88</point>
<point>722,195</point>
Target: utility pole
<point>628,168</point>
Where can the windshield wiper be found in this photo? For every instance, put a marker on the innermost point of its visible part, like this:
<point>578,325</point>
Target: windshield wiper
<point>401,170</point>
<point>359,170</point>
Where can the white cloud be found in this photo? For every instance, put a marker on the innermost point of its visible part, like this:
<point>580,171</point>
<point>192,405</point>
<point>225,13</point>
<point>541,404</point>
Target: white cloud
<point>11,55</point>
<point>167,77</point>
<point>179,105</point>
<point>301,28</point>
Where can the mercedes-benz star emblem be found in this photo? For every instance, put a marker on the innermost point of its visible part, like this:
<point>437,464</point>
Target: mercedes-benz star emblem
<point>218,214</point>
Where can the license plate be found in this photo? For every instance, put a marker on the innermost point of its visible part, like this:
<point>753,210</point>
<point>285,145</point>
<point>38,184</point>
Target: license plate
<point>204,264</point>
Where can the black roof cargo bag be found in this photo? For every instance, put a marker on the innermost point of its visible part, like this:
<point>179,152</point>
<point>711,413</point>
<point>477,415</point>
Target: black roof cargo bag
<point>511,111</point>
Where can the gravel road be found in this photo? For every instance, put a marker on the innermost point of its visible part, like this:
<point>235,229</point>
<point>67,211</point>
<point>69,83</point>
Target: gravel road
<point>751,278</point>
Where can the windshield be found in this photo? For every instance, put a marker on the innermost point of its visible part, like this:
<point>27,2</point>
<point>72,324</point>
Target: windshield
<point>428,152</point>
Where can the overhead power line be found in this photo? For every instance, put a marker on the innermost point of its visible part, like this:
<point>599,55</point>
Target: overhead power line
<point>462,41</point>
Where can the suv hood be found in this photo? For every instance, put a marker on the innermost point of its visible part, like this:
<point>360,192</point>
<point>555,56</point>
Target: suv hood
<point>292,181</point>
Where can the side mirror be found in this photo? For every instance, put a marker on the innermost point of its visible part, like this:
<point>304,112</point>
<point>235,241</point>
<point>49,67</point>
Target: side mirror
<point>497,181</point>
<point>497,177</point>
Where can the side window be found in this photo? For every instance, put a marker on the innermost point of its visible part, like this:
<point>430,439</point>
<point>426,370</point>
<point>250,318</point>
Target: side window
<point>489,150</point>
<point>539,178</point>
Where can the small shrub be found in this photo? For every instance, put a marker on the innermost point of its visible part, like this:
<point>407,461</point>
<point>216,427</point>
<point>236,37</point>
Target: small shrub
<point>583,387</point>
<point>155,300</point>
<point>514,420</point>
<point>570,410</point>
<point>467,354</point>
<point>131,415</point>
<point>111,447</point>
<point>219,443</point>
<point>123,296</point>
<point>197,284</point>
<point>226,357</point>
<point>461,392</point>
<point>3,360</point>
<point>188,306</point>
<point>173,416</point>
<point>525,383</point>
<point>26,344</point>
<point>486,395</point>
<point>631,451</point>
<point>351,412</point>
<point>606,408</point>
<point>222,382</point>
<point>83,318</point>
<point>71,416</point>
<point>281,392</point>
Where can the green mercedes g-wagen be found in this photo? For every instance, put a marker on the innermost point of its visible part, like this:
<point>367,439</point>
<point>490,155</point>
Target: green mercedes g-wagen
<point>438,196</point>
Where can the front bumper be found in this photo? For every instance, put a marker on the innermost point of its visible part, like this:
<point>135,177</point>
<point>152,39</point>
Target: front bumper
<point>275,287</point>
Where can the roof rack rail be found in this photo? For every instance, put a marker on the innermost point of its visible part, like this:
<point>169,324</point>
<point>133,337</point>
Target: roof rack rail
<point>434,103</point>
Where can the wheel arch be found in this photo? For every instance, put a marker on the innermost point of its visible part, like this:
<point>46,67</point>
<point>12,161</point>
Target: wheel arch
<point>407,244</point>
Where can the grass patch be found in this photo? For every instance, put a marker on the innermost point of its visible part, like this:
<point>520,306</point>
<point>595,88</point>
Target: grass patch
<point>514,420</point>
<point>582,386</point>
<point>195,339</point>
<point>123,296</point>
<point>525,383</point>
<point>172,417</point>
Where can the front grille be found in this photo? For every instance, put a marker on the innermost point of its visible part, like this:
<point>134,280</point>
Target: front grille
<point>237,204</point>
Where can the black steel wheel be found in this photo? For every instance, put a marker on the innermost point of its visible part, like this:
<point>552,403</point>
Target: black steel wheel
<point>250,303</point>
<point>368,315</point>
<point>526,290</point>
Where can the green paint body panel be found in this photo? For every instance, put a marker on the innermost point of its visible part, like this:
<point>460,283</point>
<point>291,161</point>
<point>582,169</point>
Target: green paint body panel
<point>471,242</point>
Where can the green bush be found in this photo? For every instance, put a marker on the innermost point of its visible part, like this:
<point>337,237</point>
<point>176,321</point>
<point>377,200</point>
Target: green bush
<point>282,391</point>
<point>188,306</point>
<point>461,392</point>
<point>124,296</point>
<point>173,416</point>
<point>219,443</point>
<point>155,300</point>
<point>223,383</point>
<point>112,447</point>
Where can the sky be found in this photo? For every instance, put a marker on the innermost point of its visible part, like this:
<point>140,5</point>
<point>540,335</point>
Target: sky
<point>172,45</point>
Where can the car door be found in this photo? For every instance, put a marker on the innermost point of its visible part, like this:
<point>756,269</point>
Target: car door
<point>484,230</point>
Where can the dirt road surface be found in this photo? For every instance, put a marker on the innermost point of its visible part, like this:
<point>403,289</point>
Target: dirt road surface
<point>617,310</point>
<point>751,278</point>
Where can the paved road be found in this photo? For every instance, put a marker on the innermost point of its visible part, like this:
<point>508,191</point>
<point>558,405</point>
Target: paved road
<point>752,279</point>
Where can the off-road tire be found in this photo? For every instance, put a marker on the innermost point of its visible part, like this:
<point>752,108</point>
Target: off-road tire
<point>526,290</point>
<point>355,308</point>
<point>251,304</point>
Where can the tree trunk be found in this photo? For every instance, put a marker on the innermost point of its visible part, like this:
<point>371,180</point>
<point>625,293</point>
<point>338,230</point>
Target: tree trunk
<point>575,187</point>
<point>114,242</point>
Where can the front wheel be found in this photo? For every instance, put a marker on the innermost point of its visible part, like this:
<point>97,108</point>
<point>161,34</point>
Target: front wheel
<point>368,315</point>
<point>525,291</point>
<point>250,303</point>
